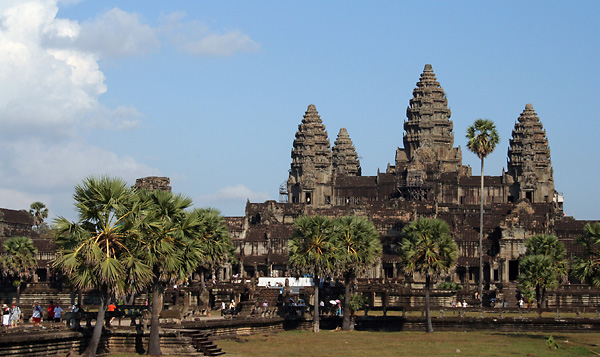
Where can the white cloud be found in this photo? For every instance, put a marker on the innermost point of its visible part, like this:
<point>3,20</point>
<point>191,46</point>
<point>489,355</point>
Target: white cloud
<point>49,91</point>
<point>42,165</point>
<point>238,193</point>
<point>198,39</point>
<point>50,84</point>
<point>17,200</point>
<point>117,33</point>
<point>44,91</point>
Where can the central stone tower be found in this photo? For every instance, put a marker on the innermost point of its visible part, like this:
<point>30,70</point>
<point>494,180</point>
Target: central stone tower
<point>428,140</point>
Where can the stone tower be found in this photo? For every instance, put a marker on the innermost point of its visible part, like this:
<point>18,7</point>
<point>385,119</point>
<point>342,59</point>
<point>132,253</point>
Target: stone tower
<point>428,138</point>
<point>529,163</point>
<point>310,179</point>
<point>344,158</point>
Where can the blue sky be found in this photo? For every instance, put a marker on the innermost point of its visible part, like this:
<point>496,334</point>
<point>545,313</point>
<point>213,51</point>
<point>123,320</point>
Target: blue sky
<point>210,94</point>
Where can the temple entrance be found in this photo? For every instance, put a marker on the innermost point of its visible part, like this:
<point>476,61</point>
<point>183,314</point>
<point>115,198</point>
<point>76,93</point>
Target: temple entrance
<point>41,274</point>
<point>513,270</point>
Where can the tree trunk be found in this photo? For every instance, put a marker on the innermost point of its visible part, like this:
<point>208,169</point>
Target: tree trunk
<point>154,338</point>
<point>429,326</point>
<point>481,239</point>
<point>543,298</point>
<point>349,280</point>
<point>95,340</point>
<point>202,282</point>
<point>316,317</point>
<point>131,299</point>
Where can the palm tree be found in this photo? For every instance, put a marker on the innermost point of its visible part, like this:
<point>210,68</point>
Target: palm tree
<point>311,251</point>
<point>357,248</point>
<point>587,267</point>
<point>427,248</point>
<point>215,239</point>
<point>483,139</point>
<point>19,260</point>
<point>39,213</point>
<point>96,252</point>
<point>543,266</point>
<point>168,246</point>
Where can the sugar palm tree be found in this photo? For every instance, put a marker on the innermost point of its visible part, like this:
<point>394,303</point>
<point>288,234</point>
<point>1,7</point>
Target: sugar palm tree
<point>587,266</point>
<point>543,266</point>
<point>311,251</point>
<point>167,246</point>
<point>483,138</point>
<point>428,248</point>
<point>39,213</point>
<point>19,260</point>
<point>215,239</point>
<point>357,248</point>
<point>97,252</point>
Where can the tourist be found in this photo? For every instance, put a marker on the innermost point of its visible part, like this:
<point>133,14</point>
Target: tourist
<point>232,307</point>
<point>459,304</point>
<point>37,314</point>
<point>111,309</point>
<point>465,303</point>
<point>521,302</point>
<point>74,310</point>
<point>453,304</point>
<point>57,312</point>
<point>5,316</point>
<point>223,308</point>
<point>15,315</point>
<point>50,311</point>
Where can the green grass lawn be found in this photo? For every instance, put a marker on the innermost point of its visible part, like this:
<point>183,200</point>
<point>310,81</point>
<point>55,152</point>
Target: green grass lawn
<point>339,343</point>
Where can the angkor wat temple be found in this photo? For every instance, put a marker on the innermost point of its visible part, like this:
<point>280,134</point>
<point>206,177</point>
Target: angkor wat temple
<point>427,179</point>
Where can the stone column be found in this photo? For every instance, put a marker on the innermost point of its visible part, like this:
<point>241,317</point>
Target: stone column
<point>505,271</point>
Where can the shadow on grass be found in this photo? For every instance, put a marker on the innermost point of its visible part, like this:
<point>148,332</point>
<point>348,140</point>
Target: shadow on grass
<point>532,336</point>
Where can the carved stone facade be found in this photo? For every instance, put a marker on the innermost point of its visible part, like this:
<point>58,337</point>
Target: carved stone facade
<point>427,179</point>
<point>15,223</point>
<point>152,183</point>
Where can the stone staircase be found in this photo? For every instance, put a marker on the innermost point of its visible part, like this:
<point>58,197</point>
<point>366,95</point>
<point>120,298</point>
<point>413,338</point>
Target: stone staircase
<point>509,292</point>
<point>203,344</point>
<point>269,294</point>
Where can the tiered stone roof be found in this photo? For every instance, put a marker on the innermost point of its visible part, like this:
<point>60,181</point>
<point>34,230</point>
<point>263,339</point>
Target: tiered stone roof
<point>311,146</point>
<point>428,116</point>
<point>529,153</point>
<point>344,157</point>
<point>428,135</point>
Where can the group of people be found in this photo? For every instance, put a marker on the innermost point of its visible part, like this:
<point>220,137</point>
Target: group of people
<point>231,310</point>
<point>11,316</point>
<point>459,304</point>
